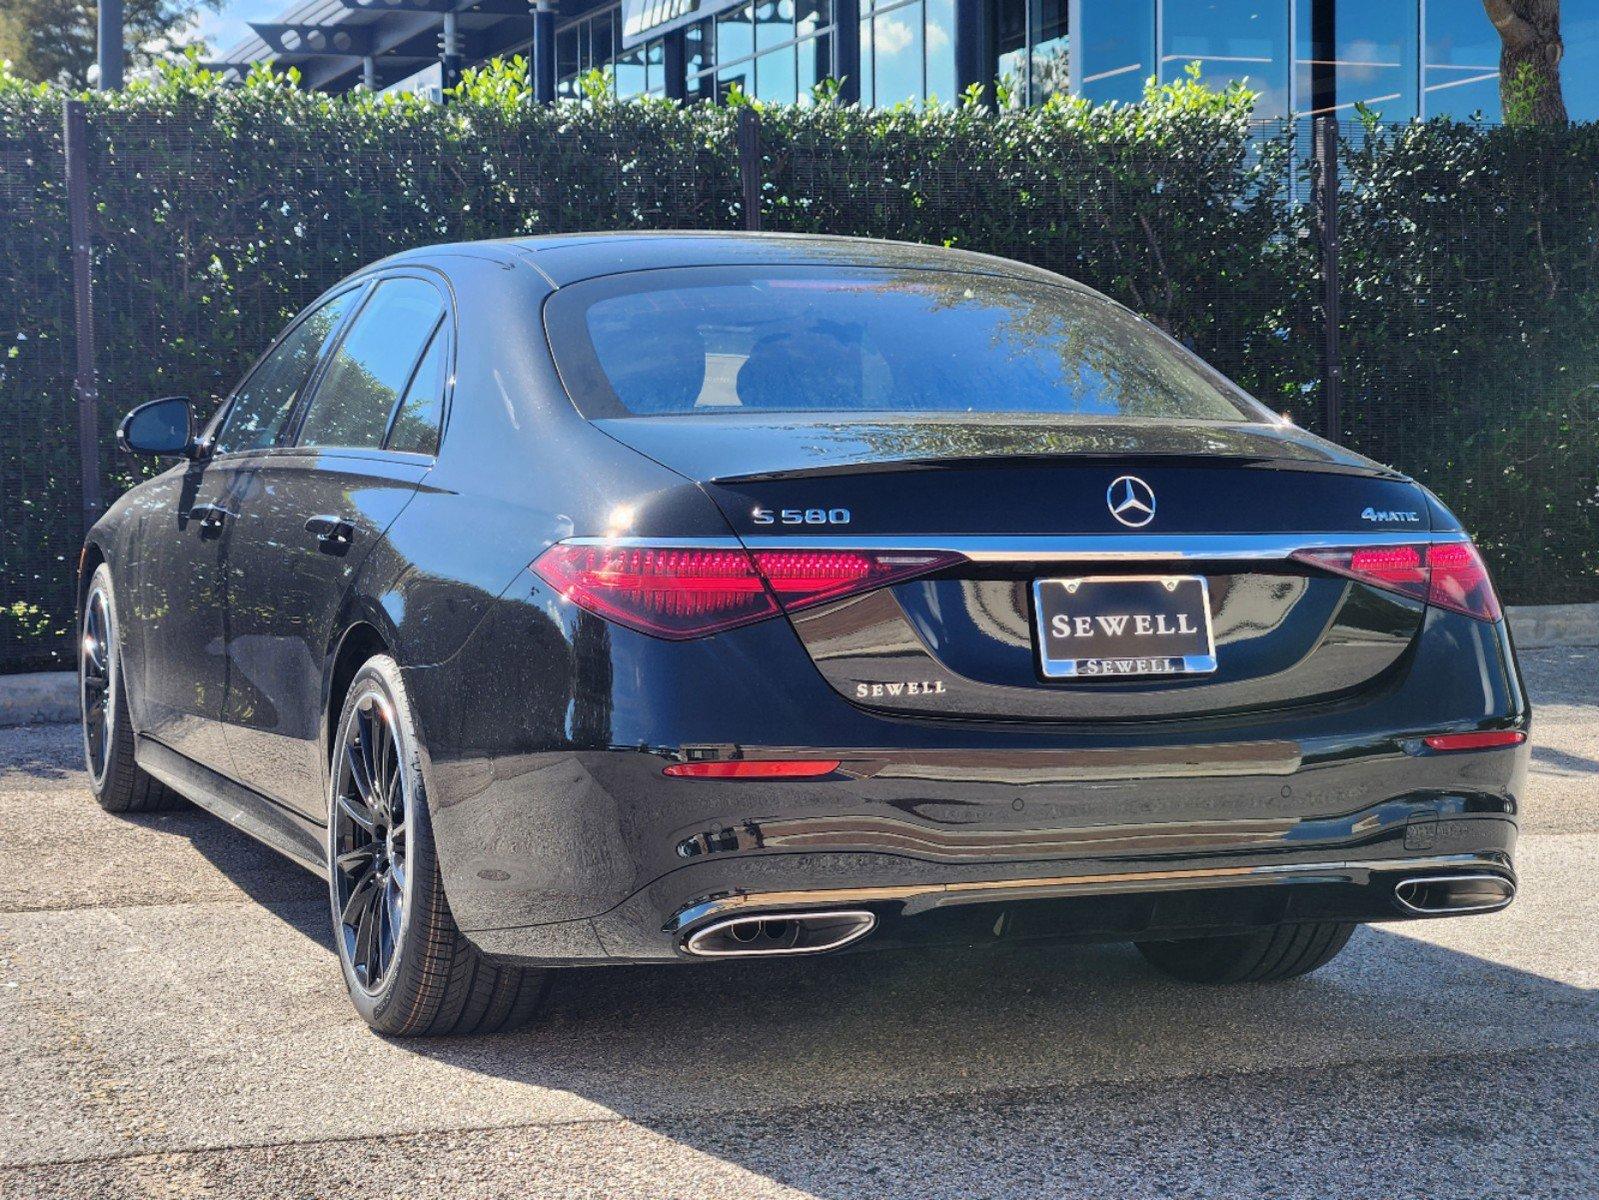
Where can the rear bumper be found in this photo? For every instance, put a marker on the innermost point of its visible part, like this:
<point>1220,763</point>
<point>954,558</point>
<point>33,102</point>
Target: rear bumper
<point>561,841</point>
<point>973,858</point>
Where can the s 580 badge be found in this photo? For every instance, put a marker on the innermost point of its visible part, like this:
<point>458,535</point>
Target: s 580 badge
<point>802,516</point>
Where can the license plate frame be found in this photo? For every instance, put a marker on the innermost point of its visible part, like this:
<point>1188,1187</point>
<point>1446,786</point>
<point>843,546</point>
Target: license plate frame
<point>1088,596</point>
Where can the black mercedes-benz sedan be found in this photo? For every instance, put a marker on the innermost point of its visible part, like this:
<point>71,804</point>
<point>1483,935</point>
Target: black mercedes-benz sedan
<point>682,597</point>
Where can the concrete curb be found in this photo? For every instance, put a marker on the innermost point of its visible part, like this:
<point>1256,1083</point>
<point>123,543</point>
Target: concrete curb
<point>45,697</point>
<point>39,698</point>
<point>1538,625</point>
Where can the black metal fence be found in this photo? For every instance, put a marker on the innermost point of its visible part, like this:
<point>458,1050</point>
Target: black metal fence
<point>1460,295</point>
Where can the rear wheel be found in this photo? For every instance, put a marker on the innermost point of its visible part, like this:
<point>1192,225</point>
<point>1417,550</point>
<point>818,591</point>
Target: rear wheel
<point>409,970</point>
<point>115,779</point>
<point>1281,952</point>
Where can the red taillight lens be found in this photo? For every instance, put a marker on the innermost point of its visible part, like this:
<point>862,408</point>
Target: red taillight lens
<point>1460,581</point>
<point>1396,567</point>
<point>1450,575</point>
<point>668,593</point>
<point>787,768</point>
<point>802,578</point>
<point>686,592</point>
<point>1481,740</point>
<point>1399,569</point>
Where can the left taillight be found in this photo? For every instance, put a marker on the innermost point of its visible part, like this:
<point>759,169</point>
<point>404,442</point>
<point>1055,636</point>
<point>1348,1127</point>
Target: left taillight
<point>1448,575</point>
<point>688,592</point>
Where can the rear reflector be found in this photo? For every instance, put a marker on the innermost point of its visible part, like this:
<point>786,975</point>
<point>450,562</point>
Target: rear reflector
<point>772,768</point>
<point>1481,740</point>
<point>1448,575</point>
<point>686,592</point>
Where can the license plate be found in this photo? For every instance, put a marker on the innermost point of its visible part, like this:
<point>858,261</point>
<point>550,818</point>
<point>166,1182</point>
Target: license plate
<point>1123,625</point>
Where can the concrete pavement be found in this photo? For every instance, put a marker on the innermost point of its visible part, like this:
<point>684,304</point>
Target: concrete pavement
<point>172,1023</point>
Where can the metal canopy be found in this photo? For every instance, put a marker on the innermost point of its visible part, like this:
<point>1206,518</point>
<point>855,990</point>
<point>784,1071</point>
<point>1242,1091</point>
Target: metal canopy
<point>338,44</point>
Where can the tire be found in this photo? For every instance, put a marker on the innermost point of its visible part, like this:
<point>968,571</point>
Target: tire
<point>118,784</point>
<point>409,970</point>
<point>1281,952</point>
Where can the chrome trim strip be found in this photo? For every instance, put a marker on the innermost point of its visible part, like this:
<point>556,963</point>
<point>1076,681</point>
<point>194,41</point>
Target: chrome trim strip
<point>1060,548</point>
<point>654,543</point>
<point>932,895</point>
<point>863,923</point>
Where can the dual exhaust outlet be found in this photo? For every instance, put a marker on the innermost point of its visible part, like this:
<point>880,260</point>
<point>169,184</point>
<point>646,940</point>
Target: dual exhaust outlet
<point>771,934</point>
<point>780,933</point>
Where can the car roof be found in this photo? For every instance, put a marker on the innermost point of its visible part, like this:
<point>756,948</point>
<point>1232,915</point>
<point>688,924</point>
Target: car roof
<point>568,258</point>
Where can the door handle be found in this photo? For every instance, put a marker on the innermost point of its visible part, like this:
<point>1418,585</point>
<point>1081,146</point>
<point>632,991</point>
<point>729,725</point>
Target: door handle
<point>212,517</point>
<point>332,534</point>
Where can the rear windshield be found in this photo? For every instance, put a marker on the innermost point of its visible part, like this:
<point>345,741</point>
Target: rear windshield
<point>847,340</point>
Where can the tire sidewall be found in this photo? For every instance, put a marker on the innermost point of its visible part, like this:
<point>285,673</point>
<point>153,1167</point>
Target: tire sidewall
<point>381,675</point>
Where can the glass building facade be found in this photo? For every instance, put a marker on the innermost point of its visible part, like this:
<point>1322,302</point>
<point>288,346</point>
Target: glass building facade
<point>1400,58</point>
<point>775,50</point>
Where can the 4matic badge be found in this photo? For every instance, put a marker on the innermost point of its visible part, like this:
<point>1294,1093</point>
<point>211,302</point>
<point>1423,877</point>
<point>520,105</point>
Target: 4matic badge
<point>1387,514</point>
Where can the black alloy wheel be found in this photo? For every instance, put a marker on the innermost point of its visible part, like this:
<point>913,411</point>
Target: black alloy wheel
<point>118,783</point>
<point>409,969</point>
<point>371,883</point>
<point>96,682</point>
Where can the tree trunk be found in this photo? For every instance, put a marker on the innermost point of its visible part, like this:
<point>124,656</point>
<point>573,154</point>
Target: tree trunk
<point>1529,60</point>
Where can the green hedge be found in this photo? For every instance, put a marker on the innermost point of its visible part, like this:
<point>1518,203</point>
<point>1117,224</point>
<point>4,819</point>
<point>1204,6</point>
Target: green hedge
<point>220,211</point>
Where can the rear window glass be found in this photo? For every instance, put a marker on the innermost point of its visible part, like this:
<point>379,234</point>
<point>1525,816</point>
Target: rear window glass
<point>820,340</point>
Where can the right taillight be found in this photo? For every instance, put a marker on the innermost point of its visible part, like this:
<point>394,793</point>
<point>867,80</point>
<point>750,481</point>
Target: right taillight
<point>1449,575</point>
<point>687,592</point>
<point>1460,581</point>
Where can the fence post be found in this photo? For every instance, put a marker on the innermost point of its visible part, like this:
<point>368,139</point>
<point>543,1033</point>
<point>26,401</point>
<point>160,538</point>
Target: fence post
<point>86,388</point>
<point>749,165</point>
<point>1327,222</point>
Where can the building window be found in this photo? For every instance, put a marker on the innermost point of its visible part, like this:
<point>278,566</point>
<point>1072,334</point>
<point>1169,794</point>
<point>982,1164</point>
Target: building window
<point>1460,55</point>
<point>594,43</point>
<point>1230,39</point>
<point>907,52</point>
<point>1372,58</point>
<point>1116,50</point>
<point>1032,50</point>
<point>773,50</point>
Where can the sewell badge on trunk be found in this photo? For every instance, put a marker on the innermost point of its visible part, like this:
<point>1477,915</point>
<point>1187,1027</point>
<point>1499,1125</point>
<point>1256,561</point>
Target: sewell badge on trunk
<point>1120,625</point>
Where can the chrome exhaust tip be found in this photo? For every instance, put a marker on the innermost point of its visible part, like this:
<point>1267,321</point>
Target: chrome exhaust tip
<point>779,933</point>
<point>1443,895</point>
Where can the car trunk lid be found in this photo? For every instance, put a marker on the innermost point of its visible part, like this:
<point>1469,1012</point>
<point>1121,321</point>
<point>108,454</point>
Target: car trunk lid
<point>1039,510</point>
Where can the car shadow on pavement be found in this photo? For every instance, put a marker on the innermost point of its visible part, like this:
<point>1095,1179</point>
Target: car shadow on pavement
<point>1016,1056</point>
<point>1562,762</point>
<point>289,892</point>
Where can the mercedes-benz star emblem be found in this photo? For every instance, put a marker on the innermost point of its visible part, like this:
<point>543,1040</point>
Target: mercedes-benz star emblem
<point>1131,500</point>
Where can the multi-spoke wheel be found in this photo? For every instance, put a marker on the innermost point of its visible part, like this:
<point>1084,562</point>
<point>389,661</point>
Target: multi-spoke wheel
<point>116,780</point>
<point>409,969</point>
<point>95,681</point>
<point>370,804</point>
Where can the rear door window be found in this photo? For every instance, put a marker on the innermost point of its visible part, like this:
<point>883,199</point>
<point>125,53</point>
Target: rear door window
<point>369,372</point>
<point>264,400</point>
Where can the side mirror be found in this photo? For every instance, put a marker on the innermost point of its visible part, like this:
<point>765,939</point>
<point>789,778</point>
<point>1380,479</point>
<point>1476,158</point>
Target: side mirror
<point>161,427</point>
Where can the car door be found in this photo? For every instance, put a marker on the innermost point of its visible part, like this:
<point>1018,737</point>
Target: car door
<point>308,516</point>
<point>181,588</point>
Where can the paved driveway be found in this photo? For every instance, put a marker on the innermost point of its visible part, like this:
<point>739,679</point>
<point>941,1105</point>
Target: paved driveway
<point>172,1024</point>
